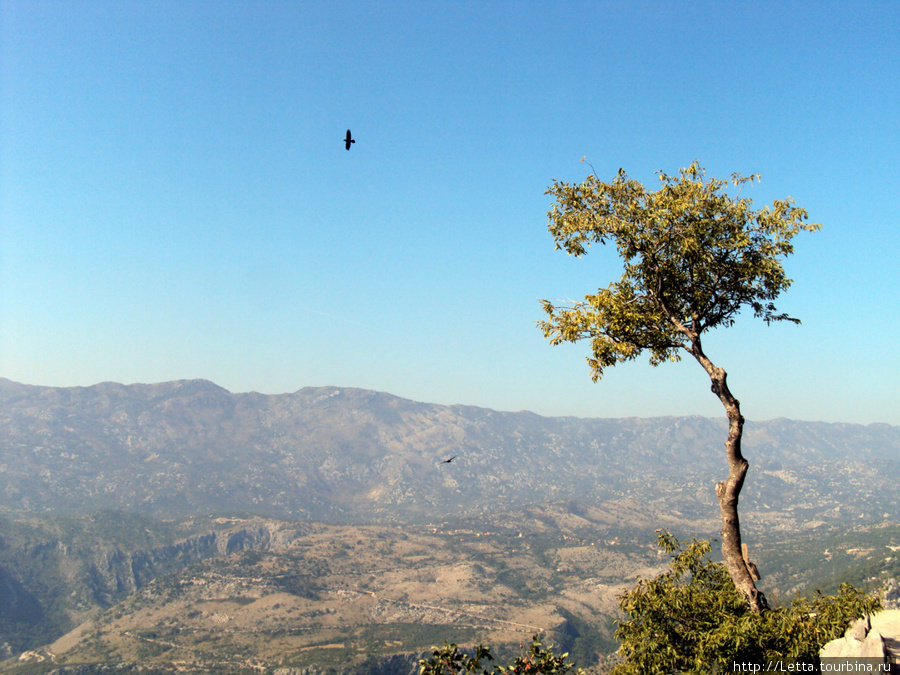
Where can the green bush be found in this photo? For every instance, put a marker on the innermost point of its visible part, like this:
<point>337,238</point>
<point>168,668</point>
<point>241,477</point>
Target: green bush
<point>449,660</point>
<point>692,619</point>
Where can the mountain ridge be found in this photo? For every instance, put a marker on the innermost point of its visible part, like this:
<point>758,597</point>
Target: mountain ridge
<point>202,383</point>
<point>346,454</point>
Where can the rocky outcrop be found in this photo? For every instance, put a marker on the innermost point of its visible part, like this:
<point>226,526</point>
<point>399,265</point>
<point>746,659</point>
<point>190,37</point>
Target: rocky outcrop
<point>891,595</point>
<point>49,584</point>
<point>887,624</point>
<point>115,572</point>
<point>875,638</point>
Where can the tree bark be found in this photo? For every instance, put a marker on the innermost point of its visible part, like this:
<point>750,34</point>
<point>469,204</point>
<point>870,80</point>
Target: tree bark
<point>740,568</point>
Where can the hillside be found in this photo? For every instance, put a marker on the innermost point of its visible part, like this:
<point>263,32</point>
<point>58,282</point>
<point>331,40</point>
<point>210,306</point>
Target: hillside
<point>177,523</point>
<point>251,591</point>
<point>226,594</point>
<point>190,447</point>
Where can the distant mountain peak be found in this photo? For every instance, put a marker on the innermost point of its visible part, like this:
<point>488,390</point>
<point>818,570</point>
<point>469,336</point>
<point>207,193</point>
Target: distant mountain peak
<point>340,453</point>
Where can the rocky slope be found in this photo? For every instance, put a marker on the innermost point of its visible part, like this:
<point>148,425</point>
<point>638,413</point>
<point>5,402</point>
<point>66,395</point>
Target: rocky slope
<point>191,447</point>
<point>262,593</point>
<point>269,594</point>
<point>56,572</point>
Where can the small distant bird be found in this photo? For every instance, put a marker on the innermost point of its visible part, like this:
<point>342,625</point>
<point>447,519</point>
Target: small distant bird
<point>348,140</point>
<point>447,461</point>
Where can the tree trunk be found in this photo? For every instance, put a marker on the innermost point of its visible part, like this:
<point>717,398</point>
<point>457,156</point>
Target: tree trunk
<point>742,571</point>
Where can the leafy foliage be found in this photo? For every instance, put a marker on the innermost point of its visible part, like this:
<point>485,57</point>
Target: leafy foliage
<point>693,255</point>
<point>449,660</point>
<point>692,619</point>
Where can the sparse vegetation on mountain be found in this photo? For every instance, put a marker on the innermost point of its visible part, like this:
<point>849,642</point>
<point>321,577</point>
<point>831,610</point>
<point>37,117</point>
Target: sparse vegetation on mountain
<point>489,551</point>
<point>692,619</point>
<point>182,449</point>
<point>694,257</point>
<point>288,600</point>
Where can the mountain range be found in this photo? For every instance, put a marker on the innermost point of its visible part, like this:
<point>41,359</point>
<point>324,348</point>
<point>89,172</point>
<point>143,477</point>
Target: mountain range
<point>183,528</point>
<point>190,447</point>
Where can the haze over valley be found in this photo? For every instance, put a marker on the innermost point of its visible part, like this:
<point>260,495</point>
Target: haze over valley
<point>181,523</point>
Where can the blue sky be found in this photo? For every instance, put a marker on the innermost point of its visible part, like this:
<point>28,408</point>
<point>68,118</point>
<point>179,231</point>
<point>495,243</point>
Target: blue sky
<point>176,201</point>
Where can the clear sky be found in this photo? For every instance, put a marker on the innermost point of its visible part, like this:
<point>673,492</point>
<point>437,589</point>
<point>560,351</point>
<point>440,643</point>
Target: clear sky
<point>177,202</point>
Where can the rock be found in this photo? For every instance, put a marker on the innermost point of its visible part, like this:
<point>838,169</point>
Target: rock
<point>847,647</point>
<point>891,594</point>
<point>864,639</point>
<point>859,629</point>
<point>887,623</point>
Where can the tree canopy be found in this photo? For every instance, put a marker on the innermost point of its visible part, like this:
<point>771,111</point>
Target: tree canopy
<point>693,255</point>
<point>692,619</point>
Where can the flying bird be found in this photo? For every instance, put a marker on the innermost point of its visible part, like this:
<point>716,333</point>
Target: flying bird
<point>348,140</point>
<point>447,461</point>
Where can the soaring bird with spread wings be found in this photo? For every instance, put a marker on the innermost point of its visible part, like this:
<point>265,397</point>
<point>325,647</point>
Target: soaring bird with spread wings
<point>447,461</point>
<point>348,140</point>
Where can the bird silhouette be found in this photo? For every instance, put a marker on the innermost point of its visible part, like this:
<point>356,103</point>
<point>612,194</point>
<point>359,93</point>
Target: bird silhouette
<point>447,461</point>
<point>348,140</point>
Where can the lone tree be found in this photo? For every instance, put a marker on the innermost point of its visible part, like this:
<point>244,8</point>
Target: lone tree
<point>694,256</point>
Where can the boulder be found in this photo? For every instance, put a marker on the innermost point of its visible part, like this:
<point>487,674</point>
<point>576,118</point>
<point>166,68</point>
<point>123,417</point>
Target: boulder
<point>872,637</point>
<point>887,623</point>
